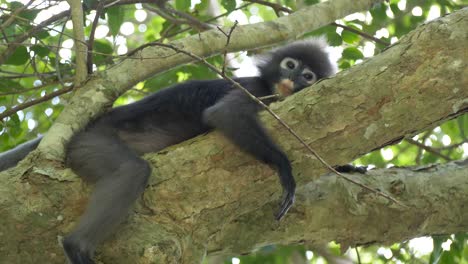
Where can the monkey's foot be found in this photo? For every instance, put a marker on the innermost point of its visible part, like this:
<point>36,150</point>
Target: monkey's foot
<point>288,200</point>
<point>74,254</point>
<point>349,168</point>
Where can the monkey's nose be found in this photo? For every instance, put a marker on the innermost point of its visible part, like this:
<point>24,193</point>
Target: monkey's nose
<point>284,87</point>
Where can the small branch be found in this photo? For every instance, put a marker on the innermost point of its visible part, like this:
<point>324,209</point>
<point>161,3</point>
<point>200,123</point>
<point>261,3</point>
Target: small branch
<point>162,12</point>
<point>20,39</point>
<point>209,20</point>
<point>456,145</point>
<point>34,102</point>
<point>428,149</point>
<point>57,55</point>
<point>228,36</point>
<point>89,59</point>
<point>189,19</point>
<point>278,7</point>
<point>273,96</point>
<point>22,91</point>
<point>265,107</point>
<point>275,6</point>
<point>81,72</point>
<point>11,17</point>
<point>363,34</point>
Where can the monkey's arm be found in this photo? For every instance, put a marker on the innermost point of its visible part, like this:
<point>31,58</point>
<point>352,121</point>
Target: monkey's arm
<point>235,115</point>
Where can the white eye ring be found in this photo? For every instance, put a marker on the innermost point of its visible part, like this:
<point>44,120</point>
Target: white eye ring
<point>289,63</point>
<point>309,75</point>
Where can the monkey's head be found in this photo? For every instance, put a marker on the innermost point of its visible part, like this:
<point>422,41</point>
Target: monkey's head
<point>296,66</point>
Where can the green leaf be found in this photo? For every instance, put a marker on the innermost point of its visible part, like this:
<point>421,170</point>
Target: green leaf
<point>42,34</point>
<point>229,4</point>
<point>378,12</point>
<point>115,18</point>
<point>14,125</point>
<point>40,51</point>
<point>7,85</point>
<point>182,5</point>
<point>334,38</point>
<point>29,14</point>
<point>20,56</point>
<point>101,48</point>
<point>202,6</point>
<point>15,5</point>
<point>352,53</point>
<point>349,37</point>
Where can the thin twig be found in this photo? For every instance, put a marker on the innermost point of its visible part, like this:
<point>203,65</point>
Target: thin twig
<point>428,149</point>
<point>361,33</point>
<point>228,39</point>
<point>358,255</point>
<point>22,91</point>
<point>273,96</point>
<point>275,6</point>
<point>162,12</point>
<point>89,60</point>
<point>189,19</point>
<point>418,158</point>
<point>278,7</point>
<point>209,20</point>
<point>57,55</point>
<point>12,17</point>
<point>265,107</point>
<point>34,102</point>
<point>456,145</point>
<point>20,39</point>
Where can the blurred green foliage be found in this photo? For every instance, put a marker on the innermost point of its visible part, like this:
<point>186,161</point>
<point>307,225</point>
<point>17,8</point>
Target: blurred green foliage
<point>43,62</point>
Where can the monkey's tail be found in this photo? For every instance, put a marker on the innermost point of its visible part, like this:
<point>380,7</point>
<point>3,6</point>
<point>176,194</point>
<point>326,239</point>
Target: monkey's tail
<point>11,157</point>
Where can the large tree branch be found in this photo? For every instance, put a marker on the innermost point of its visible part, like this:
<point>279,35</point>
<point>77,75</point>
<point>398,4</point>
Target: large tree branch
<point>330,209</point>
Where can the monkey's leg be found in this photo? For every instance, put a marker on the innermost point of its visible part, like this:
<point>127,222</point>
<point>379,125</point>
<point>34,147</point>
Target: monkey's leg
<point>235,116</point>
<point>11,157</point>
<point>121,178</point>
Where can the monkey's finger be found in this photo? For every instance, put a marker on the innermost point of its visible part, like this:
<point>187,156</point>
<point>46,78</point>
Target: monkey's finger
<point>288,201</point>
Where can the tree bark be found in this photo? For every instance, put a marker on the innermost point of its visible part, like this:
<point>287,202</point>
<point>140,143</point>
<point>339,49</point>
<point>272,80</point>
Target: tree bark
<point>207,196</point>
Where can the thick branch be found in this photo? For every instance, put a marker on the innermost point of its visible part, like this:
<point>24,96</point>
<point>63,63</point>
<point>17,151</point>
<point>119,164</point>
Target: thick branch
<point>331,209</point>
<point>81,48</point>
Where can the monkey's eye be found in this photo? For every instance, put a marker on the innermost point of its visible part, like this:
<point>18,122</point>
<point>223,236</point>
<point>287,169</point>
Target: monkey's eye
<point>289,63</point>
<point>309,76</point>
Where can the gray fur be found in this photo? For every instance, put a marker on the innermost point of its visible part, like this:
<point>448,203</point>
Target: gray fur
<point>11,157</point>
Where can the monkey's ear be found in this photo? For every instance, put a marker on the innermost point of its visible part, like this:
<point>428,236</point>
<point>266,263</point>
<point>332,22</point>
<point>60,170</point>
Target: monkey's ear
<point>263,60</point>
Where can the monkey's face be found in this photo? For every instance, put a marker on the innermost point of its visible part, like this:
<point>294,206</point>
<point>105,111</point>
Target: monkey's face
<point>296,66</point>
<point>293,77</point>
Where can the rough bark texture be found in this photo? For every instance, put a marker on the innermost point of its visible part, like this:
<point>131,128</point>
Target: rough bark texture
<point>207,195</point>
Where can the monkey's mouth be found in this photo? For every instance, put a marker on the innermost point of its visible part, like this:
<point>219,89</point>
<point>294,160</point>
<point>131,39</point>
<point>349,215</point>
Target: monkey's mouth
<point>284,87</point>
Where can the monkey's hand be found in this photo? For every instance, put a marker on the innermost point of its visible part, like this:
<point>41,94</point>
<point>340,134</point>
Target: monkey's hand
<point>289,189</point>
<point>286,203</point>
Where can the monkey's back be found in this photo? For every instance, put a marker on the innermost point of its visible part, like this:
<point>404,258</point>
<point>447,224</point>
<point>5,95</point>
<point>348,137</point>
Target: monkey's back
<point>165,118</point>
